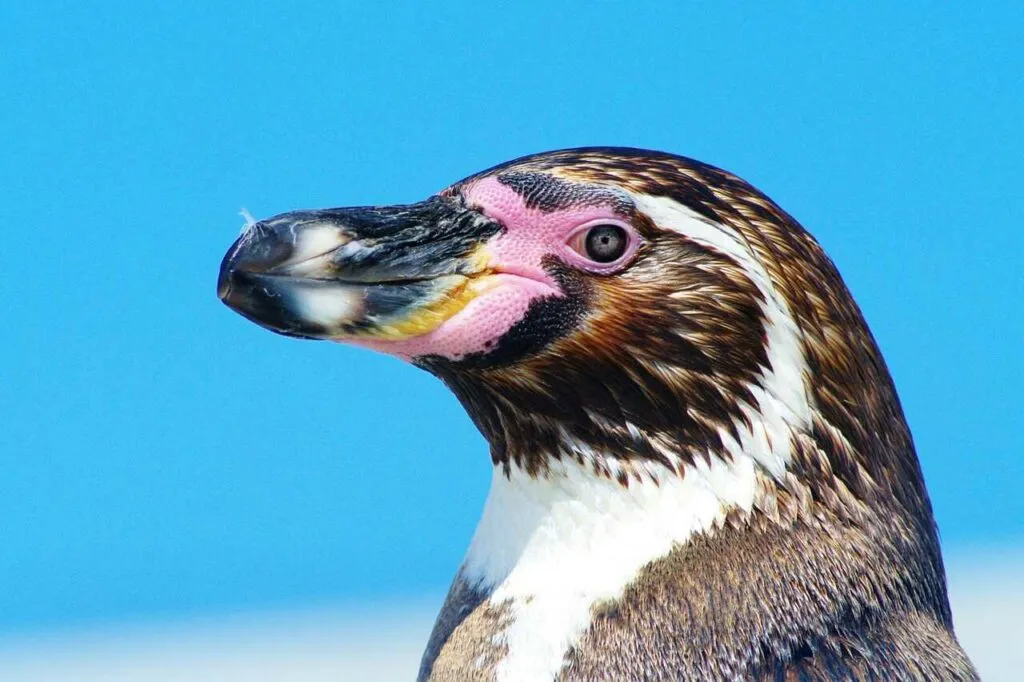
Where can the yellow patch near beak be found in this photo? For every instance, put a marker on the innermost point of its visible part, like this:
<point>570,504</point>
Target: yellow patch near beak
<point>454,292</point>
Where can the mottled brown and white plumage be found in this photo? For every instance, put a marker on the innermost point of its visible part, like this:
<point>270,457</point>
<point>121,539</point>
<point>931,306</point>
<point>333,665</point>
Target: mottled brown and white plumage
<point>701,466</point>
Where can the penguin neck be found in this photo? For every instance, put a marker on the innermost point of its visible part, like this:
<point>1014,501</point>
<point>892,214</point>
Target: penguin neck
<point>551,547</point>
<point>573,530</point>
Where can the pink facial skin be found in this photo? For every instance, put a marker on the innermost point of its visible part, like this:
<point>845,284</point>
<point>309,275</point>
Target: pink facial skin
<point>516,256</point>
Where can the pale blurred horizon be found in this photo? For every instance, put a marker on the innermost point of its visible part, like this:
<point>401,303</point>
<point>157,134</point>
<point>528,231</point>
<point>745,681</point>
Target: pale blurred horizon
<point>382,640</point>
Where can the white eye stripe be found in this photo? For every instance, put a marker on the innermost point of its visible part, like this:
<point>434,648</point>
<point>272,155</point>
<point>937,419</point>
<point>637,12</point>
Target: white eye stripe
<point>783,378</point>
<point>669,214</point>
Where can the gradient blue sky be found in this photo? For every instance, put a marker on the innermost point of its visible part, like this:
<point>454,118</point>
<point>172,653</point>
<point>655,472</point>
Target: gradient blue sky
<point>160,455</point>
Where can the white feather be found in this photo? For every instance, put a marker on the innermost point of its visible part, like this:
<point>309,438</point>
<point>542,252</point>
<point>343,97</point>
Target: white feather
<point>249,220</point>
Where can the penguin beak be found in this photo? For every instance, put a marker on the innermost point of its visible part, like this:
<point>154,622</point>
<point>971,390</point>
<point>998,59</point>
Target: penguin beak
<point>366,273</point>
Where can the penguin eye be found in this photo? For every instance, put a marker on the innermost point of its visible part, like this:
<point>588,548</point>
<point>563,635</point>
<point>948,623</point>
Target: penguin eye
<point>602,243</point>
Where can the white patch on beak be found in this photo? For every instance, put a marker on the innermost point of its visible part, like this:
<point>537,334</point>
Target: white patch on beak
<point>316,240</point>
<point>329,306</point>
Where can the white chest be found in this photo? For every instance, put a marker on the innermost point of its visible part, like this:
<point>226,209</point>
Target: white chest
<point>553,548</point>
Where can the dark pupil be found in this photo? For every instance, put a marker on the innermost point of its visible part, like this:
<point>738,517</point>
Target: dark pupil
<point>605,243</point>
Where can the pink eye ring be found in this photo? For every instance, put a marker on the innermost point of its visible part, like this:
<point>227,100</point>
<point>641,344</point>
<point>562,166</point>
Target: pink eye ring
<point>602,245</point>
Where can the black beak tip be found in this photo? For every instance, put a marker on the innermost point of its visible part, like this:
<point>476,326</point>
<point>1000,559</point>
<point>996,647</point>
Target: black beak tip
<point>224,283</point>
<point>257,249</point>
<point>242,286</point>
<point>228,267</point>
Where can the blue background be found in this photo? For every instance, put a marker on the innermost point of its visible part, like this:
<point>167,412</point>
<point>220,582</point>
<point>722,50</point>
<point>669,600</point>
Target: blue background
<point>160,455</point>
